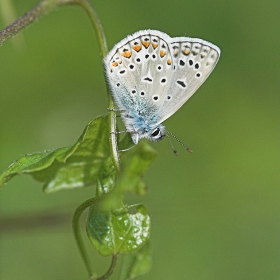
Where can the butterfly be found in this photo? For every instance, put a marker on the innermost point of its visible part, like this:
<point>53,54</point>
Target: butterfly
<point>151,75</point>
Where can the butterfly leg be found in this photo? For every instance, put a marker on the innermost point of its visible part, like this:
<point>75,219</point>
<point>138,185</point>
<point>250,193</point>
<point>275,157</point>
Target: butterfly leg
<point>116,110</point>
<point>118,132</point>
<point>124,150</point>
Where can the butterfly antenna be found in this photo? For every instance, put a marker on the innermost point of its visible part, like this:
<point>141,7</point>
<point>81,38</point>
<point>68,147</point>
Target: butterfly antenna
<point>171,145</point>
<point>182,144</point>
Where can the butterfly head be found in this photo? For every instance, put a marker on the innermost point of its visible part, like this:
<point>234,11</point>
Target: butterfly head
<point>155,134</point>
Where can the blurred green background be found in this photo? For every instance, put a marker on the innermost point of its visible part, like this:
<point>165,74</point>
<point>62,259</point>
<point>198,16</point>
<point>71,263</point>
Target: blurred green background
<point>215,213</point>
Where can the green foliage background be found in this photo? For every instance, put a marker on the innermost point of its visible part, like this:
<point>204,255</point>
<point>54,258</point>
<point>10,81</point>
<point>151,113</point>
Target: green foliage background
<point>214,213</point>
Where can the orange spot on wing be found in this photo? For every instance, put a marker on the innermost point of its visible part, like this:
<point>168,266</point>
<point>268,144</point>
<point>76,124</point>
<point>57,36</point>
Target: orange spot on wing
<point>119,62</point>
<point>126,54</point>
<point>186,52</point>
<point>154,45</point>
<point>169,61</point>
<point>146,44</point>
<point>115,64</point>
<point>137,48</point>
<point>162,53</point>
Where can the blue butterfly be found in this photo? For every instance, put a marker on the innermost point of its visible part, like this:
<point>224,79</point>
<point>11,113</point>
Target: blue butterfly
<point>151,75</point>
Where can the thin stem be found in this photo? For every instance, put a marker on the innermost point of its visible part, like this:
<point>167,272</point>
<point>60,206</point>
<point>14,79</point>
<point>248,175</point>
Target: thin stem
<point>113,136</point>
<point>96,24</point>
<point>104,50</point>
<point>78,235</point>
<point>111,268</point>
<point>25,20</point>
<point>81,245</point>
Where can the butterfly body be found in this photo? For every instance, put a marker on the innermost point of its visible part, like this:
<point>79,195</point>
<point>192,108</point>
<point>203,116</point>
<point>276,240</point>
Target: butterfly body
<point>151,75</point>
<point>140,126</point>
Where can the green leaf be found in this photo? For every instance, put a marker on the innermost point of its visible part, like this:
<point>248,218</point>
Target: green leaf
<point>136,263</point>
<point>119,231</point>
<point>133,166</point>
<point>111,227</point>
<point>141,262</point>
<point>75,167</point>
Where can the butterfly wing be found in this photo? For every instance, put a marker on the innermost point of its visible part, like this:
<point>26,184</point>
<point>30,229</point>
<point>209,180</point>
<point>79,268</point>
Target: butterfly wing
<point>152,75</point>
<point>139,70</point>
<point>192,62</point>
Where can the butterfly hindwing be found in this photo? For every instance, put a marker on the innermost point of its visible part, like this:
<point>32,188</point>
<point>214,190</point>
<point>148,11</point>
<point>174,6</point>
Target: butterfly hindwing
<point>193,61</point>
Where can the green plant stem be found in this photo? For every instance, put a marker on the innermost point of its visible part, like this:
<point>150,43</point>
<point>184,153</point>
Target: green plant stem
<point>112,136</point>
<point>25,20</point>
<point>111,268</point>
<point>47,6</point>
<point>104,50</point>
<point>78,235</point>
<point>81,246</point>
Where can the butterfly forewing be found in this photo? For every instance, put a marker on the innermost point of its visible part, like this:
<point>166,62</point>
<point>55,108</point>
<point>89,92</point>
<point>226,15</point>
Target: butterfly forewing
<point>140,69</point>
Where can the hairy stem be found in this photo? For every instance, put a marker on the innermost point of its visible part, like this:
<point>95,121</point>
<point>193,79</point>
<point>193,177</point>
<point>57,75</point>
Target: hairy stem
<point>41,9</point>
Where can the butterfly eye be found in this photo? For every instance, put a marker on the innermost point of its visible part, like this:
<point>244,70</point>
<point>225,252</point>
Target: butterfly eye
<point>156,132</point>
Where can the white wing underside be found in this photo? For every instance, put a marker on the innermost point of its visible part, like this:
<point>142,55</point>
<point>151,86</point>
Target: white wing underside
<point>153,72</point>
